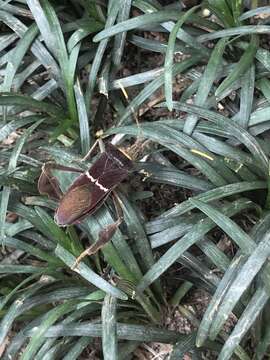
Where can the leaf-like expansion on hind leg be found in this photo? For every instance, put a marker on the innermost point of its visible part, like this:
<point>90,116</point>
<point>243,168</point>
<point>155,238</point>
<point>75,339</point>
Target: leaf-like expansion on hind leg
<point>48,184</point>
<point>104,237</point>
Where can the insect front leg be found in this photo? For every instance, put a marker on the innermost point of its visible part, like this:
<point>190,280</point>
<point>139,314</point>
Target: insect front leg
<point>101,145</point>
<point>104,235</point>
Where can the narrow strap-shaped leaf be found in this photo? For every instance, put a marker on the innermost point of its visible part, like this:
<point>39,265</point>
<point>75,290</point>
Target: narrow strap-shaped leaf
<point>5,299</point>
<point>222,10</point>
<point>12,165</point>
<point>119,41</point>
<point>109,329</point>
<point>239,236</point>
<point>171,255</point>
<point>112,14</point>
<point>58,47</point>
<point>241,134</point>
<point>247,319</point>
<point>240,30</point>
<point>137,232</point>
<point>219,294</point>
<point>17,308</point>
<point>124,331</point>
<point>64,294</point>
<point>244,277</point>
<point>15,124</point>
<point>77,348</point>
<point>246,97</point>
<point>206,82</point>
<point>83,119</point>
<point>154,18</point>
<point>168,78</point>
<point>82,32</point>
<point>8,99</point>
<point>17,56</point>
<point>152,87</point>
<point>181,347</point>
<point>241,67</point>
<point>264,86</point>
<point>52,316</point>
<point>253,12</point>
<point>215,194</point>
<point>88,274</point>
<point>178,142</point>
<point>30,249</point>
<point>38,49</point>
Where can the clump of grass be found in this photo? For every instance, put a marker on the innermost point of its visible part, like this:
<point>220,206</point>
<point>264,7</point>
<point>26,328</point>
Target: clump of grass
<point>62,80</point>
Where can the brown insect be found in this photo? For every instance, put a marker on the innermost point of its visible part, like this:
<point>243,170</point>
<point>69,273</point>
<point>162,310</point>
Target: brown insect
<point>88,192</point>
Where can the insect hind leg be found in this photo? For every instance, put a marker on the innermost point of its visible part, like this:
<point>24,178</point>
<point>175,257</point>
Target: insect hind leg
<point>104,235</point>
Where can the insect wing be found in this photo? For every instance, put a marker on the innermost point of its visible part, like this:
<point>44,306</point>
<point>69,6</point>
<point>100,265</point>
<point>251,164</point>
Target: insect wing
<point>81,199</point>
<point>89,190</point>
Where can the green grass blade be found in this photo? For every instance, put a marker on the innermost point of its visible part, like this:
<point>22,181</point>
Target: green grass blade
<point>256,11</point>
<point>22,269</point>
<point>88,274</point>
<point>40,52</point>
<point>152,87</point>
<point>241,134</point>
<point>7,99</point>
<point>263,344</point>
<point>221,291</point>
<point>15,124</point>
<point>124,331</point>
<point>78,348</point>
<point>136,231</point>
<point>83,119</point>
<point>33,250</point>
<point>246,97</point>
<point>119,42</point>
<point>163,174</point>
<point>171,255</point>
<point>5,299</point>
<point>52,316</point>
<point>222,11</point>
<point>109,333</point>
<point>241,30</point>
<point>117,252</point>
<point>215,194</point>
<point>17,56</point>
<point>242,281</point>
<point>17,307</point>
<point>178,143</point>
<point>11,167</point>
<point>78,35</point>
<point>53,297</point>
<point>241,67</point>
<point>239,236</point>
<point>264,86</point>
<point>51,31</point>
<point>182,347</point>
<point>99,55</point>
<point>168,63</point>
<point>206,82</point>
<point>252,311</point>
<point>59,49</point>
<point>136,22</point>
